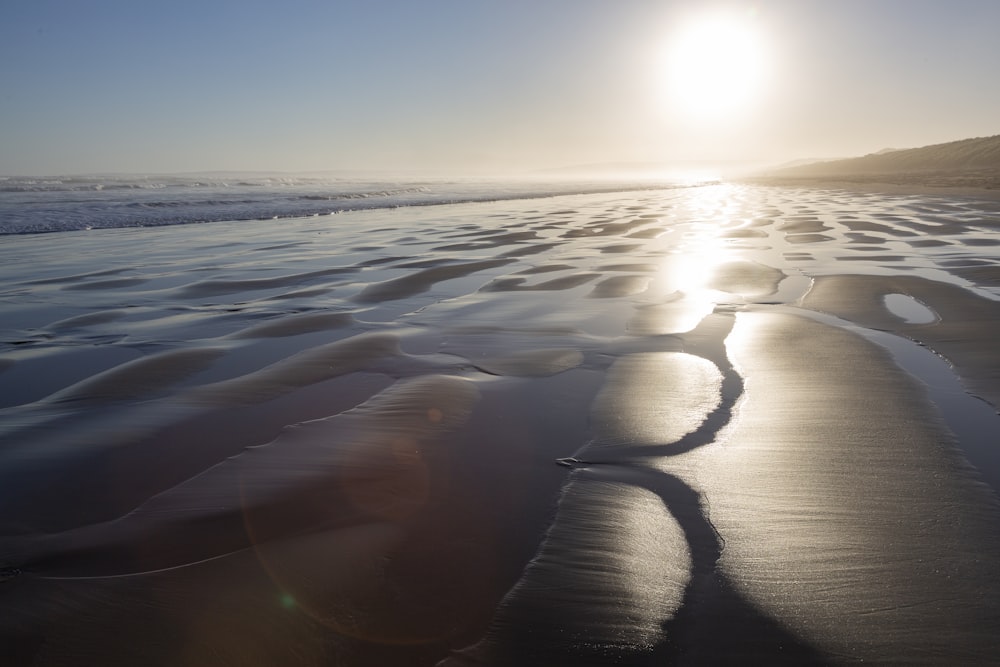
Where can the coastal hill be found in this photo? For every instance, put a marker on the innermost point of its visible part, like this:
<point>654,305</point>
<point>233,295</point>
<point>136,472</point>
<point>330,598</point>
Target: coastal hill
<point>967,163</point>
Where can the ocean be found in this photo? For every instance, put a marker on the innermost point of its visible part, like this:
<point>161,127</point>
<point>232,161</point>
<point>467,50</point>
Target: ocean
<point>31,205</point>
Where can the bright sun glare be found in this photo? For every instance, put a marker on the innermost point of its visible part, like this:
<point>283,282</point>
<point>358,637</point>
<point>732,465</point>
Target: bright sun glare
<point>715,66</point>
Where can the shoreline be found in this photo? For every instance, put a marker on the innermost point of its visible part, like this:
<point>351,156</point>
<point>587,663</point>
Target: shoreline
<point>352,432</point>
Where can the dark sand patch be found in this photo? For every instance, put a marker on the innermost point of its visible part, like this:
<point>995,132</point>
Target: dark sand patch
<point>141,378</point>
<point>650,233</point>
<point>77,277</point>
<point>860,237</point>
<point>579,232</point>
<point>279,246</point>
<point>556,284</point>
<point>378,261</point>
<point>928,243</point>
<point>495,237</point>
<point>428,263</point>
<point>106,284</point>
<point>966,262</point>
<point>545,268</point>
<point>508,238</point>
<point>293,325</point>
<point>630,268</point>
<point>807,238</point>
<point>867,248</point>
<point>369,462</point>
<point>424,584</point>
<point>34,377</point>
<point>798,225</point>
<point>982,275</point>
<point>218,287</point>
<point>299,294</point>
<point>532,363</point>
<point>621,248</point>
<point>307,367</point>
<point>746,278</point>
<point>978,242</point>
<point>457,247</point>
<point>421,281</point>
<point>107,459</point>
<point>870,258</point>
<point>860,225</point>
<point>623,228</point>
<point>527,250</point>
<point>86,320</point>
<point>619,286</point>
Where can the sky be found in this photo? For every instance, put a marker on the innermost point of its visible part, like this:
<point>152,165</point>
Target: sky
<point>471,86</point>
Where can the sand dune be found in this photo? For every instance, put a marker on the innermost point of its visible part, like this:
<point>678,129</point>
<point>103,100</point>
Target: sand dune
<point>973,164</point>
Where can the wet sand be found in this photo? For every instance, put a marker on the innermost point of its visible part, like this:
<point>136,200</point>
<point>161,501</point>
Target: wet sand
<point>685,426</point>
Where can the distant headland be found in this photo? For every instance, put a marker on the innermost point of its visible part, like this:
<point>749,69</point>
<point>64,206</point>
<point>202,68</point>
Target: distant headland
<point>967,163</point>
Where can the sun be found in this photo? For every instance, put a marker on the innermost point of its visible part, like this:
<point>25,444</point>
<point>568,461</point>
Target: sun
<point>714,66</point>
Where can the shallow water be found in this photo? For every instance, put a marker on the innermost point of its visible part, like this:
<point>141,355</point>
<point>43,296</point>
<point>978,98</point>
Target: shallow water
<point>344,431</point>
<point>909,309</point>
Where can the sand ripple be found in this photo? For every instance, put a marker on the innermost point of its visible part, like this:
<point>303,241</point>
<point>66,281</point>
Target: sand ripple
<point>335,439</point>
<point>307,367</point>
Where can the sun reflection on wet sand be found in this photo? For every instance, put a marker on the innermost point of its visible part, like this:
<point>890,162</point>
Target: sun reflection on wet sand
<point>837,499</point>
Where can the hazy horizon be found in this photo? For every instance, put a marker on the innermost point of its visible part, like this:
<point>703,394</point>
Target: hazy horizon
<point>485,88</point>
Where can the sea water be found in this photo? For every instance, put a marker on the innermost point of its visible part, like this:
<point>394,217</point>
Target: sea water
<point>54,204</point>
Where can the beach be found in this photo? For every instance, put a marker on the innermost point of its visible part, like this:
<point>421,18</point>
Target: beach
<point>726,423</point>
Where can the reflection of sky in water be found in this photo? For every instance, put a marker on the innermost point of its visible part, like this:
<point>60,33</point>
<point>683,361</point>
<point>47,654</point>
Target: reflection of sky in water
<point>654,398</point>
<point>909,309</point>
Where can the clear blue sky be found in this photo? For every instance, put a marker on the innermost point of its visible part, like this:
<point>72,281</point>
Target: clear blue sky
<point>108,86</point>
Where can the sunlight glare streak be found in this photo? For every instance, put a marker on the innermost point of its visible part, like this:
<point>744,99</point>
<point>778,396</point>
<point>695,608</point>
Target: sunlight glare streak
<point>688,267</point>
